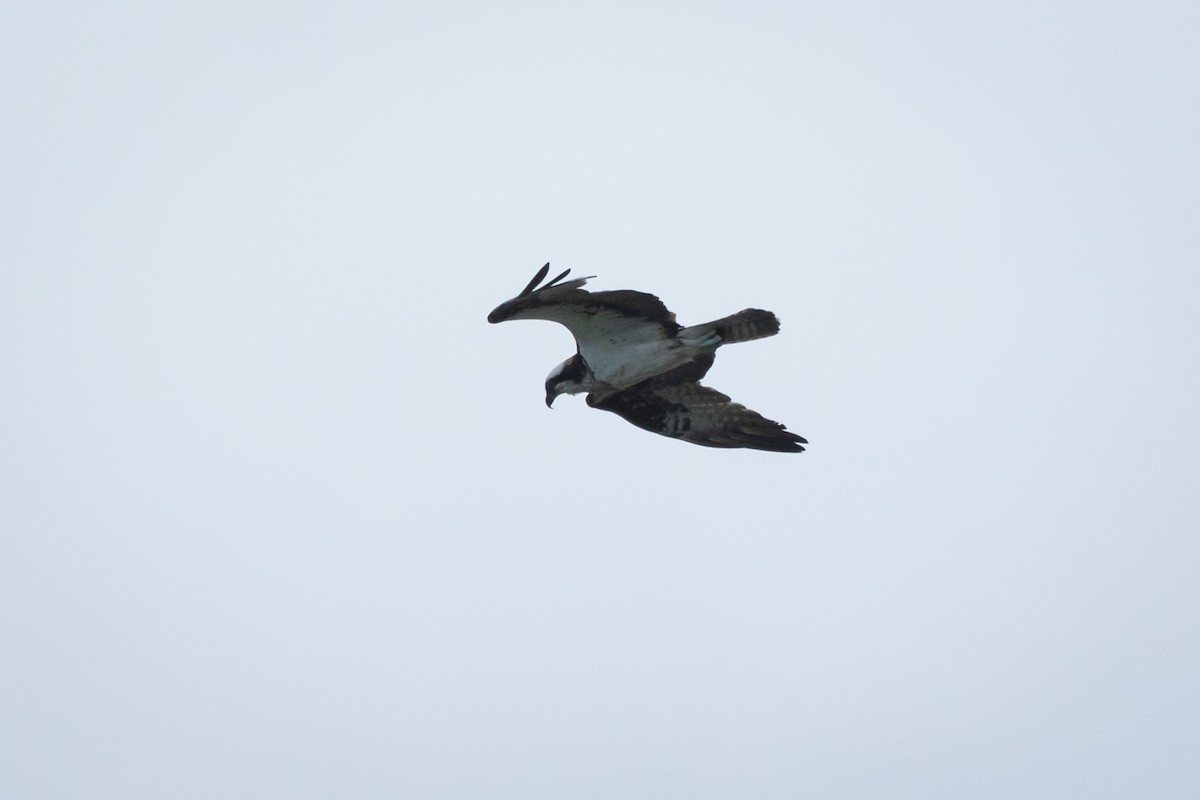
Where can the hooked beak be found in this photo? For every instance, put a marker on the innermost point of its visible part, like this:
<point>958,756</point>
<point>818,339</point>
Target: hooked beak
<point>550,395</point>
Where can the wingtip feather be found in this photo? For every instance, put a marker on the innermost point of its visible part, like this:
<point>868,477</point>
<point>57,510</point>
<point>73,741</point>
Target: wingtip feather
<point>541,273</point>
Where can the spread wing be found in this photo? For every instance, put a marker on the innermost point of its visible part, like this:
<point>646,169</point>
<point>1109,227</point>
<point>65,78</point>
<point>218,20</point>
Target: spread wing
<point>597,320</point>
<point>696,413</point>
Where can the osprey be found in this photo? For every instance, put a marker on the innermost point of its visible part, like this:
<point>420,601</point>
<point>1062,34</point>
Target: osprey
<point>632,358</point>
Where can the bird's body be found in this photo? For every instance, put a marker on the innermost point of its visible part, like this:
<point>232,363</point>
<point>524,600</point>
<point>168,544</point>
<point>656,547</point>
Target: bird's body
<point>634,359</point>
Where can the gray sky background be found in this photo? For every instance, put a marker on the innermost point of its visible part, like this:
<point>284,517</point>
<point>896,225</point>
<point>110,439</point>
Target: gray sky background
<point>283,516</point>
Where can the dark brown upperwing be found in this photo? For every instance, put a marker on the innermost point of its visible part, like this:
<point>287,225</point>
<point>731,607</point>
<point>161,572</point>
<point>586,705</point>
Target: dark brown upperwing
<point>570,295</point>
<point>696,414</point>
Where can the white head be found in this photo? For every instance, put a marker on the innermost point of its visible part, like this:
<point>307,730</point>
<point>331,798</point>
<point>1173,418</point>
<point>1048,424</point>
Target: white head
<point>570,377</point>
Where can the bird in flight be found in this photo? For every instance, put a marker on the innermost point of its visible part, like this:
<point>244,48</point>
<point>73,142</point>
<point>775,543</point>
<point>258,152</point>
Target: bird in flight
<point>632,358</point>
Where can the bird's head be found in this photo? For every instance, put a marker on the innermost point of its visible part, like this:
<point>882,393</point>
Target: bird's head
<point>569,377</point>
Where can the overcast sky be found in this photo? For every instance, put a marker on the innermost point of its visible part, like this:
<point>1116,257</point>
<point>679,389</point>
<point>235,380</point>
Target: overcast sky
<point>282,516</point>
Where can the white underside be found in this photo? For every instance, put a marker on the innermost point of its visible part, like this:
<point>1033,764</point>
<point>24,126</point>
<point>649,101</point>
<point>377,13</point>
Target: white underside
<point>623,351</point>
<point>622,365</point>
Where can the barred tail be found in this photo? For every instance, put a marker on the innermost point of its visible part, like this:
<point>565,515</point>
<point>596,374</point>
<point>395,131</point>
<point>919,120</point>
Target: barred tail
<point>751,323</point>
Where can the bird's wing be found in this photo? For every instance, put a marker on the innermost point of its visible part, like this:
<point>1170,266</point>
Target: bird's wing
<point>598,320</point>
<point>696,414</point>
